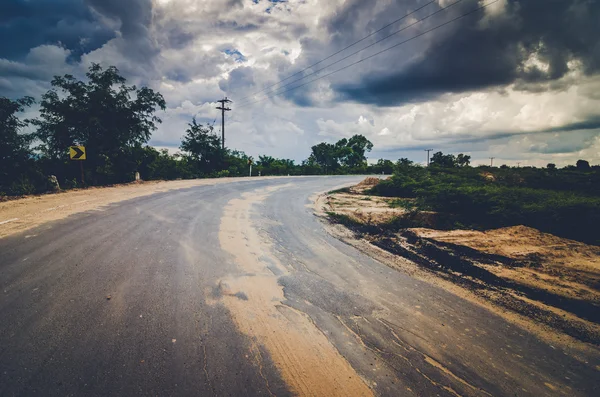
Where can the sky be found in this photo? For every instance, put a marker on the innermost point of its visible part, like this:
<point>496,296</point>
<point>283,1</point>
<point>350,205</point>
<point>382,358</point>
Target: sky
<point>518,80</point>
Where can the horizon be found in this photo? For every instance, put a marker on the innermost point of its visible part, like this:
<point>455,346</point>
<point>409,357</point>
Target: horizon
<point>515,81</point>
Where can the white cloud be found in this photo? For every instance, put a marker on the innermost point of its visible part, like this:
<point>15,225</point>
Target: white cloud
<point>191,69</point>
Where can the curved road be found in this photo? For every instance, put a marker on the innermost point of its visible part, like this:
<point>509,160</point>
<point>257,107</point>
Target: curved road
<point>237,289</point>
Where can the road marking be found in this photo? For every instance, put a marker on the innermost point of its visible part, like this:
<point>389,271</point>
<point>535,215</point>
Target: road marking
<point>10,220</point>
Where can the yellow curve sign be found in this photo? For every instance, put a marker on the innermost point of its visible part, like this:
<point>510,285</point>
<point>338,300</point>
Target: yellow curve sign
<point>77,152</point>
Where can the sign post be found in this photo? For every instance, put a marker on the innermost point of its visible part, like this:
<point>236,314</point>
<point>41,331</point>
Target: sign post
<point>78,153</point>
<point>250,160</point>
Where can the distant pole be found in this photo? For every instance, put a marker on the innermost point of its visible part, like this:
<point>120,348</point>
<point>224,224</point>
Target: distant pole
<point>492,161</point>
<point>428,150</point>
<point>223,108</point>
<point>518,165</point>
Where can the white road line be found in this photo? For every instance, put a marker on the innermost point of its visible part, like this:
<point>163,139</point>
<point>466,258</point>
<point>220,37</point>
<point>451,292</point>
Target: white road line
<point>10,220</point>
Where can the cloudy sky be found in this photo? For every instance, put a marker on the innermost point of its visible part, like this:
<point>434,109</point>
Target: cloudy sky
<point>518,80</point>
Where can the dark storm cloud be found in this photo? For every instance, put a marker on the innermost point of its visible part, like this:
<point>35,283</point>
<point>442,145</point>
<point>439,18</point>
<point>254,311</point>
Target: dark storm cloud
<point>25,24</point>
<point>135,17</point>
<point>591,124</point>
<point>484,50</point>
<point>580,136</point>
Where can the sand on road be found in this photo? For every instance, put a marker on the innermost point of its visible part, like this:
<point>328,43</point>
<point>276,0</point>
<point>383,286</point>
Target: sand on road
<point>28,212</point>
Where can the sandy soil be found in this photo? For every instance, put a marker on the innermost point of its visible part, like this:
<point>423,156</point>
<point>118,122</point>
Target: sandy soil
<point>547,284</point>
<point>363,208</point>
<point>308,362</point>
<point>25,213</point>
<point>560,266</point>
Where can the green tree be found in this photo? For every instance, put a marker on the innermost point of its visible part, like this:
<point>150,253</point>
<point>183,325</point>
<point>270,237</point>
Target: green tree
<point>347,152</point>
<point>104,114</point>
<point>265,160</point>
<point>440,159</point>
<point>203,147</point>
<point>236,163</point>
<point>583,165</point>
<point>15,154</point>
<point>356,156</point>
<point>551,166</point>
<point>385,166</point>
<point>463,160</point>
<point>404,163</point>
<point>326,156</point>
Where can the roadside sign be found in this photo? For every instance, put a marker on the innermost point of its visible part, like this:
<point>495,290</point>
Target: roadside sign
<point>77,152</point>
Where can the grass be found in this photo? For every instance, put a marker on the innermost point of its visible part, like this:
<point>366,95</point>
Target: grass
<point>407,204</point>
<point>342,190</point>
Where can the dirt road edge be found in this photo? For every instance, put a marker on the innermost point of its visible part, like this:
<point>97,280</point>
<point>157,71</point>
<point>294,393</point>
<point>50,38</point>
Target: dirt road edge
<point>575,348</point>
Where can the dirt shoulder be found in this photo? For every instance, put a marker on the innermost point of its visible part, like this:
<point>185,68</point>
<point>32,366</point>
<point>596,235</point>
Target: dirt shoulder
<point>547,284</point>
<point>28,212</point>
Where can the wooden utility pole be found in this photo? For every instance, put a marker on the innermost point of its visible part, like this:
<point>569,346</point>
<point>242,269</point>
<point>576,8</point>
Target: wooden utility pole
<point>492,161</point>
<point>428,150</point>
<point>223,108</point>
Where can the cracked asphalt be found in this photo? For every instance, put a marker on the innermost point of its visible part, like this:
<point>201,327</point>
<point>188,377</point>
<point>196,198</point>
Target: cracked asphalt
<point>128,300</point>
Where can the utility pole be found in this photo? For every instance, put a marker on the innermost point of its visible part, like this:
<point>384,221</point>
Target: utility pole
<point>518,165</point>
<point>428,150</point>
<point>492,161</point>
<point>223,108</point>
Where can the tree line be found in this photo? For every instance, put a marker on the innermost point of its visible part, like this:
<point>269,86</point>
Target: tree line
<point>115,121</point>
<point>564,202</point>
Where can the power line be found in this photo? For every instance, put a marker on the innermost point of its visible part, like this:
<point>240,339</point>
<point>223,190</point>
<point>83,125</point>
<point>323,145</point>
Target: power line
<point>342,50</point>
<point>377,53</point>
<point>362,49</point>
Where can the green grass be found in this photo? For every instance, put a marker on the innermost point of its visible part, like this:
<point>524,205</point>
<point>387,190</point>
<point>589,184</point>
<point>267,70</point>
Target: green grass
<point>342,190</point>
<point>407,204</point>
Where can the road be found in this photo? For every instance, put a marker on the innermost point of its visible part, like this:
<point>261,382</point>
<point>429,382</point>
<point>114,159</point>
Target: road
<point>238,289</point>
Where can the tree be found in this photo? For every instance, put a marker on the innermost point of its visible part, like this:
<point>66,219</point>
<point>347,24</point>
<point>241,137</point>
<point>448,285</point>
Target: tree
<point>17,167</point>
<point>551,166</point>
<point>404,163</point>
<point>203,146</point>
<point>347,152</point>
<point>326,156</point>
<point>103,114</point>
<point>385,166</point>
<point>443,160</point>
<point>355,157</point>
<point>583,165</point>
<point>463,160</point>
<point>265,161</point>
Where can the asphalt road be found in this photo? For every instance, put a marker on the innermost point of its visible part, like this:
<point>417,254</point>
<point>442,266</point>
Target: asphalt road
<point>177,294</point>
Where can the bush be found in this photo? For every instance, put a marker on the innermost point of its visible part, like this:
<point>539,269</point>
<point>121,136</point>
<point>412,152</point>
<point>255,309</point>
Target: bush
<point>561,202</point>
